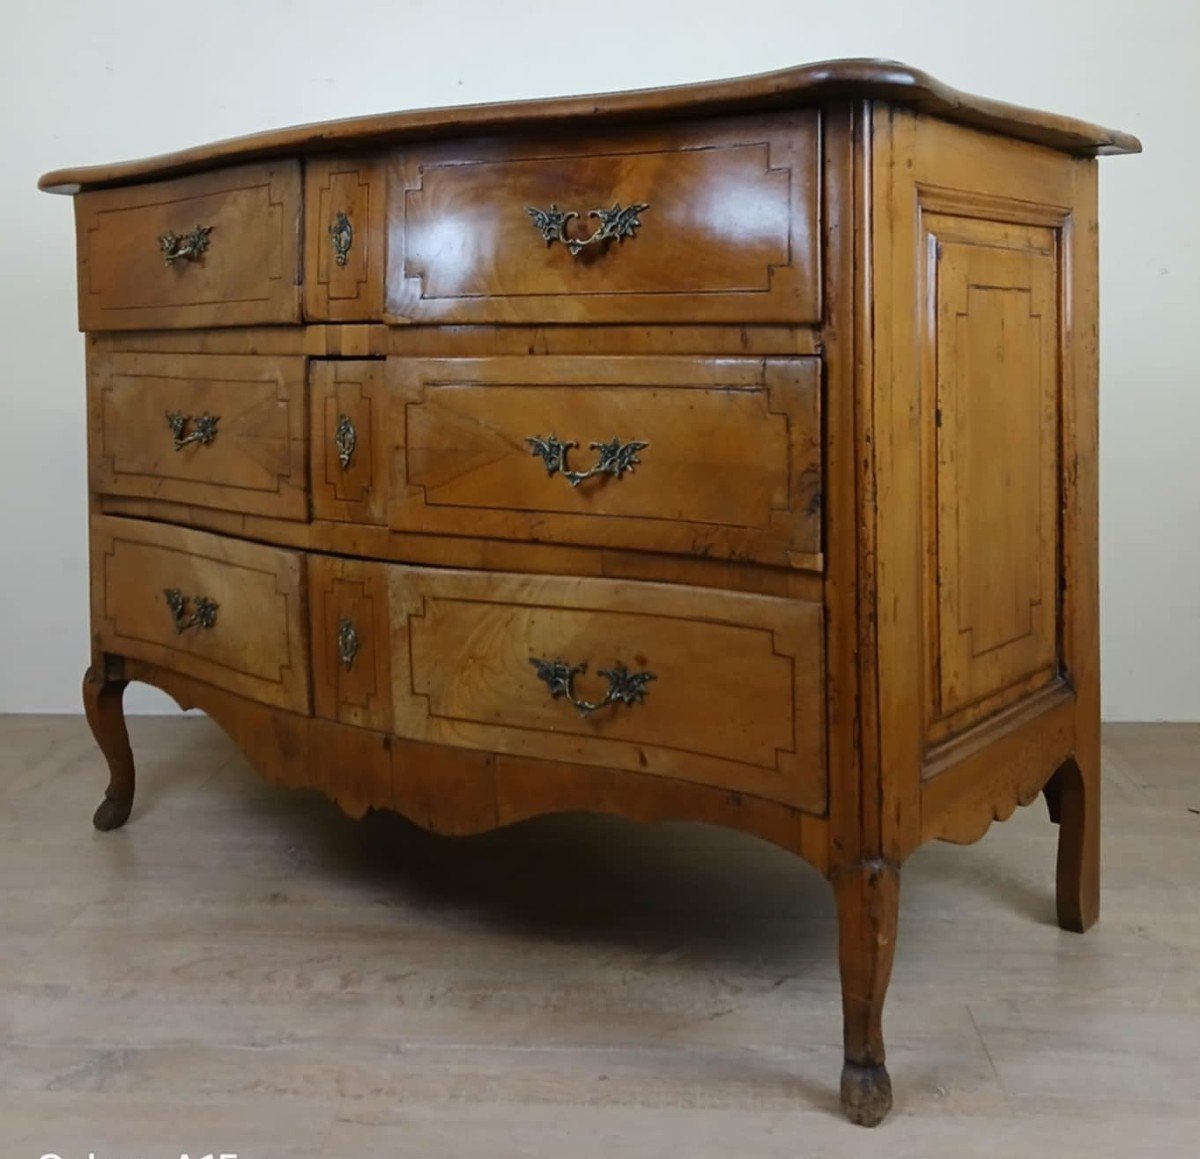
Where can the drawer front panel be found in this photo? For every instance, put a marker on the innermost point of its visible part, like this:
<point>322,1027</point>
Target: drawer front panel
<point>344,235</point>
<point>726,232</point>
<point>214,430</point>
<point>351,646</point>
<point>237,621</point>
<point>707,456</point>
<point>733,697</point>
<point>350,448</point>
<point>245,270</point>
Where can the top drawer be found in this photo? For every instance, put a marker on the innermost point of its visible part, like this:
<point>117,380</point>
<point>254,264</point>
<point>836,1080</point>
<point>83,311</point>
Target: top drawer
<point>713,222</point>
<point>217,249</point>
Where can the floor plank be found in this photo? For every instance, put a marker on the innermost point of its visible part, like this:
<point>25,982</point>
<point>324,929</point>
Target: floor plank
<point>243,967</point>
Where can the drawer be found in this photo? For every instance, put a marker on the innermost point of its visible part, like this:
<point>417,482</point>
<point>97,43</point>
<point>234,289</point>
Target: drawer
<point>711,222</point>
<point>350,435</point>
<point>702,456</point>
<point>344,238</point>
<point>213,430</point>
<point>720,688</point>
<point>217,249</point>
<point>222,610</point>
<point>351,641</point>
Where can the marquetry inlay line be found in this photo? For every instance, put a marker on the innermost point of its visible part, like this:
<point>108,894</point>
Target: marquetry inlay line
<point>183,562</point>
<point>349,397</point>
<point>768,171</point>
<point>995,446</point>
<point>232,428</point>
<point>969,598</point>
<point>352,596</point>
<point>345,191</point>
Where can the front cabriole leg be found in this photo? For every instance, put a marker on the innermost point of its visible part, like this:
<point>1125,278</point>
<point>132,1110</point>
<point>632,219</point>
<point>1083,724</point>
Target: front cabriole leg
<point>868,896</point>
<point>102,704</point>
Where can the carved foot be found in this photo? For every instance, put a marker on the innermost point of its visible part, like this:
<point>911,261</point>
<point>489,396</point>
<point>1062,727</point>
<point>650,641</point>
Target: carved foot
<point>105,715</point>
<point>866,1094</point>
<point>112,813</point>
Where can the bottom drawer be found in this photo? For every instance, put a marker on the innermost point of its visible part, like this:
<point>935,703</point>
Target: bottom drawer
<point>721,688</point>
<point>224,611</point>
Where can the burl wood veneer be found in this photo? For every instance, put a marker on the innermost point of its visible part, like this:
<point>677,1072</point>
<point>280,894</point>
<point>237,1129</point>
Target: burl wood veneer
<point>724,452</point>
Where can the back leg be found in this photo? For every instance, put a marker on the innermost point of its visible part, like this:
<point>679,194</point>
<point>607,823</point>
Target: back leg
<point>1073,796</point>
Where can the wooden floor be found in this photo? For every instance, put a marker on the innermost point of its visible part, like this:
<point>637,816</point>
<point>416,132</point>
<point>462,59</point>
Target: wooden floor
<point>244,969</point>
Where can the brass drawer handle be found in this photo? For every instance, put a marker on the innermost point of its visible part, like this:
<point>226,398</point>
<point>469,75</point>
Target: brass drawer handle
<point>341,235</point>
<point>203,616</point>
<point>345,439</point>
<point>347,642</point>
<point>190,245</point>
<point>615,223</point>
<point>615,457</point>
<point>624,687</point>
<point>203,433</point>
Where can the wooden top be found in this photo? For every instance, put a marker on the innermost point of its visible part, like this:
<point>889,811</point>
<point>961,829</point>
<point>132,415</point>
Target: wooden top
<point>805,84</point>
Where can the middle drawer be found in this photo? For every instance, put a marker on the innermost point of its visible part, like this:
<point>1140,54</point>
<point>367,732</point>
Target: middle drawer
<point>228,431</point>
<point>700,456</point>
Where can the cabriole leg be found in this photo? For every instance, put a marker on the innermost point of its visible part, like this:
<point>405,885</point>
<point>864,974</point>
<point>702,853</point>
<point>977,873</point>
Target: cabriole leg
<point>1073,794</point>
<point>102,704</point>
<point>868,897</point>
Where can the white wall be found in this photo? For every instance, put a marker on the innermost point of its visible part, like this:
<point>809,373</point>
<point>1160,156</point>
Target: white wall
<point>87,81</point>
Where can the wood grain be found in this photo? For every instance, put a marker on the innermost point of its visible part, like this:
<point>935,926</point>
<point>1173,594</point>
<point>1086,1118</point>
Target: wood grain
<point>458,792</point>
<point>258,645</point>
<point>353,686</point>
<point>352,290</point>
<point>257,461</point>
<point>859,78</point>
<point>728,235</point>
<point>736,699</point>
<point>868,903</point>
<point>1018,203</point>
<point>249,274</point>
<point>994,352</point>
<point>375,340</point>
<point>103,693</point>
<point>731,467</point>
<point>353,391</point>
<point>379,543</point>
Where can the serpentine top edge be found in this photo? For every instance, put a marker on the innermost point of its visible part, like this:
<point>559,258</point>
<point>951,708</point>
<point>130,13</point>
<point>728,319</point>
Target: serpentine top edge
<point>865,79</point>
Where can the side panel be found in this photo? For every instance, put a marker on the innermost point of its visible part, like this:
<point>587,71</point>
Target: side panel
<point>984,460</point>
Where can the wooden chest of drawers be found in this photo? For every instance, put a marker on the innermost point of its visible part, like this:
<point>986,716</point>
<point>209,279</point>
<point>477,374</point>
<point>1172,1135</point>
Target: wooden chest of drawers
<point>725,452</point>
